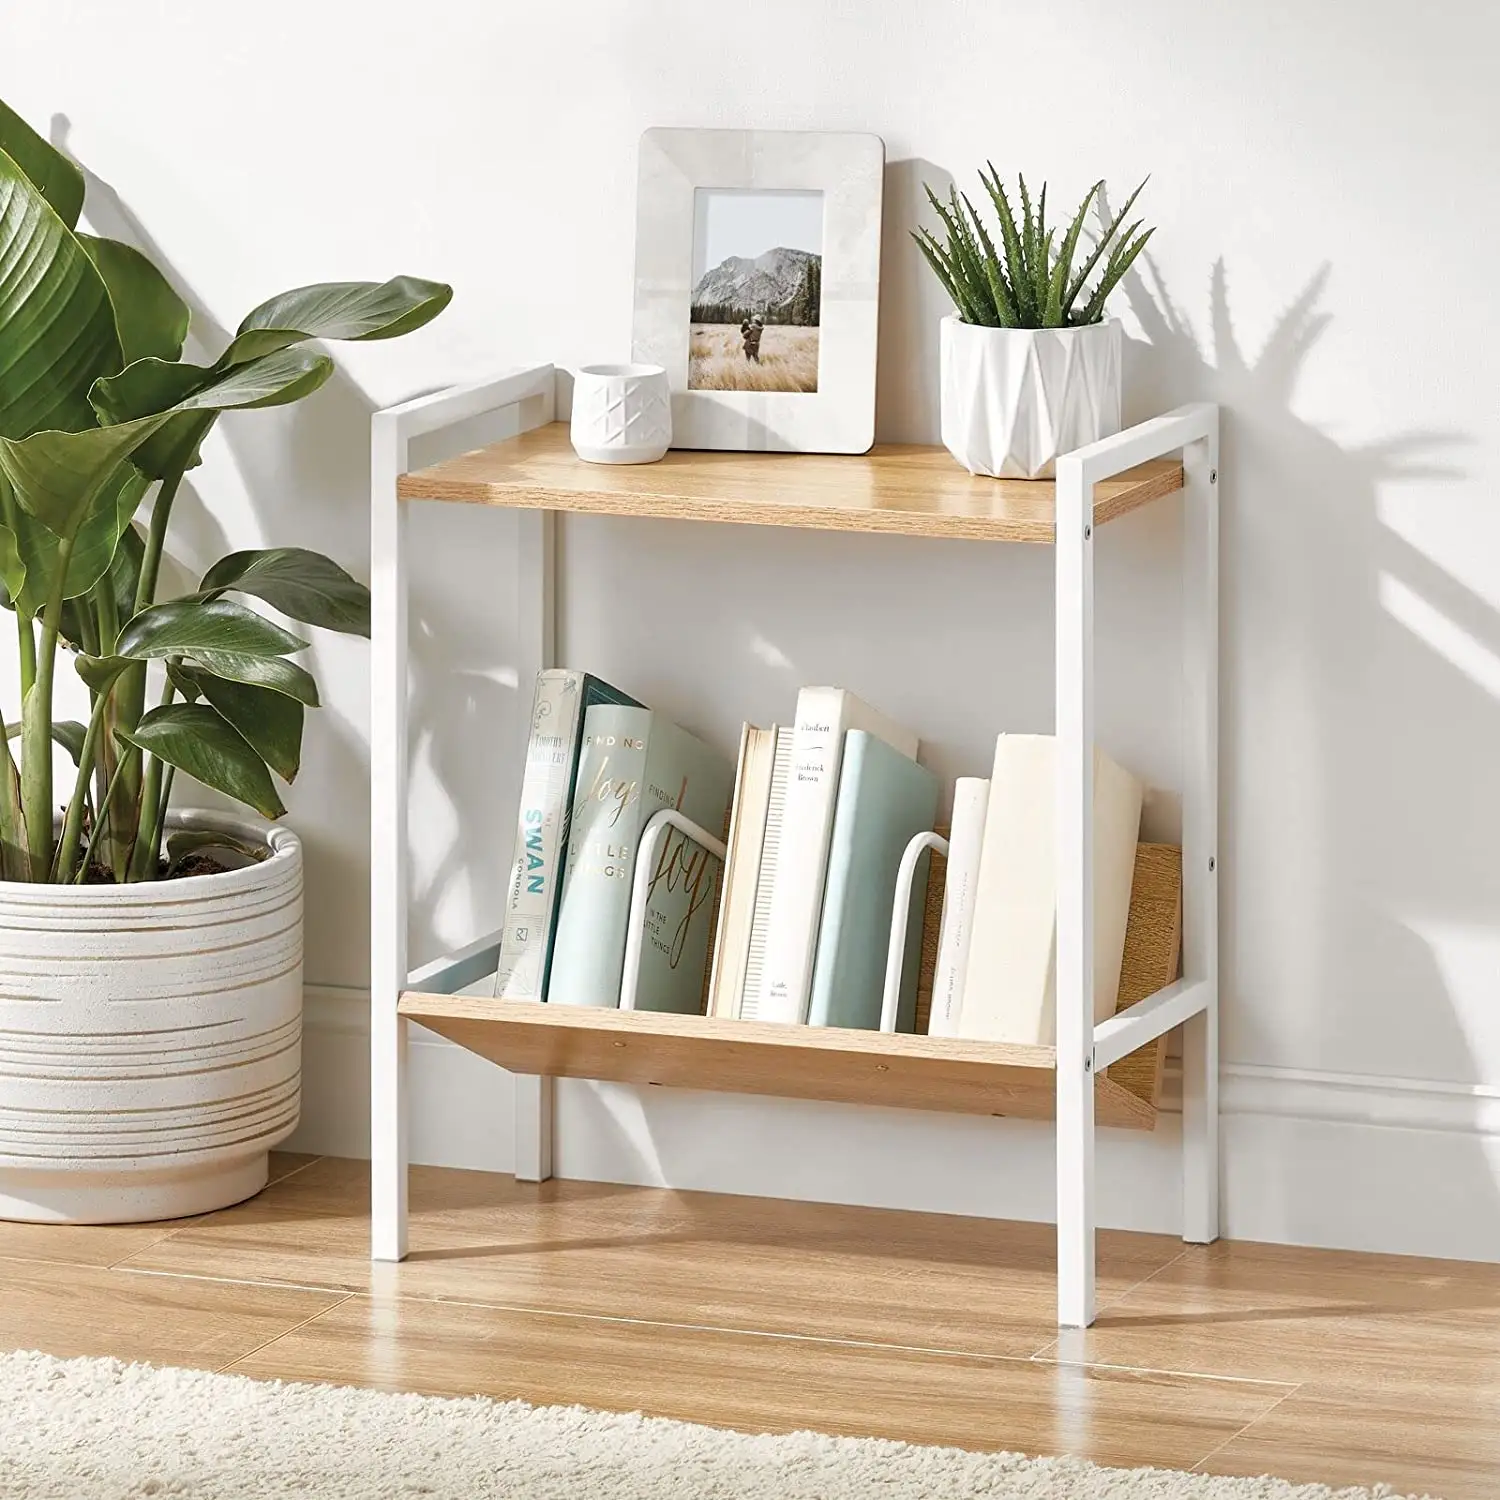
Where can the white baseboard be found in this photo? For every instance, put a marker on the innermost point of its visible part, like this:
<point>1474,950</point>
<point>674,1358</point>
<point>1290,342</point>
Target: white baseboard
<point>1405,1166</point>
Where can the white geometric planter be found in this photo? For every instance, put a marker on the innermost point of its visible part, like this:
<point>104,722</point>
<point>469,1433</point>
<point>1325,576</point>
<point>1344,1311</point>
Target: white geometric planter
<point>1014,398</point>
<point>150,1038</point>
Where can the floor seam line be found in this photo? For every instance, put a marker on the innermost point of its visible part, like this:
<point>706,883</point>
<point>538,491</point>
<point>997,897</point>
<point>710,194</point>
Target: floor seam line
<point>1236,1436</point>
<point>290,1286</point>
<point>1287,1387</point>
<point>285,1333</point>
<point>1115,1301</point>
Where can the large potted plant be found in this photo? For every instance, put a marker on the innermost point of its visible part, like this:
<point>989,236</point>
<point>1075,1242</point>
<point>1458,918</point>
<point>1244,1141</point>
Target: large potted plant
<point>1030,365</point>
<point>150,963</point>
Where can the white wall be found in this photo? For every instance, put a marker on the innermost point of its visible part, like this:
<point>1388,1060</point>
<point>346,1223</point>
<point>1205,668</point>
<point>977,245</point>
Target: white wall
<point>1323,267</point>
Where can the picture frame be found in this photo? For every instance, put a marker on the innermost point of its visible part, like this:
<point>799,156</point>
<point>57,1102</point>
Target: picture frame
<point>757,279</point>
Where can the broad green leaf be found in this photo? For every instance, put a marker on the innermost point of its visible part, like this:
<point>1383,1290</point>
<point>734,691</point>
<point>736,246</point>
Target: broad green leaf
<point>94,544</point>
<point>59,326</point>
<point>59,477</point>
<point>12,569</point>
<point>99,672</point>
<point>198,740</point>
<point>197,393</point>
<point>79,626</point>
<point>355,310</point>
<point>270,721</point>
<point>184,627</point>
<point>55,176</point>
<point>68,733</point>
<point>151,319</point>
<point>304,585</point>
<point>274,672</point>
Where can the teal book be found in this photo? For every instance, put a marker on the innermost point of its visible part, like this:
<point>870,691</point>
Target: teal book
<point>561,700</point>
<point>884,800</point>
<point>634,763</point>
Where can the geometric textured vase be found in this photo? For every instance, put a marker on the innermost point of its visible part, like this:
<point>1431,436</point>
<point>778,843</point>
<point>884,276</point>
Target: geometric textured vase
<point>1015,398</point>
<point>622,414</point>
<point>150,1038</point>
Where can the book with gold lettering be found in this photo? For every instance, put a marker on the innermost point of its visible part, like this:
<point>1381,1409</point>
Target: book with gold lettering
<point>558,706</point>
<point>635,762</point>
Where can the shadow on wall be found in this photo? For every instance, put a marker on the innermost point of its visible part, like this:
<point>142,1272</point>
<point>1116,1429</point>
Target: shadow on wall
<point>304,471</point>
<point>1361,807</point>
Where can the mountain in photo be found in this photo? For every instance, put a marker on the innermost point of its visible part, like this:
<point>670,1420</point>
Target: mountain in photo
<point>783,286</point>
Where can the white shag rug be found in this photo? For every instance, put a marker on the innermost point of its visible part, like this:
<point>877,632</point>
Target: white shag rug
<point>96,1429</point>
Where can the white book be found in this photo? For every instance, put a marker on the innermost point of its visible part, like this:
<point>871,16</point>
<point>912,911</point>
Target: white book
<point>747,832</point>
<point>746,1004</point>
<point>824,716</point>
<point>971,798</point>
<point>1010,986</point>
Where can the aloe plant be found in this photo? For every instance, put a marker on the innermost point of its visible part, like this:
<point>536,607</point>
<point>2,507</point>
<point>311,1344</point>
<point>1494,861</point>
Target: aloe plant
<point>1033,279</point>
<point>98,415</point>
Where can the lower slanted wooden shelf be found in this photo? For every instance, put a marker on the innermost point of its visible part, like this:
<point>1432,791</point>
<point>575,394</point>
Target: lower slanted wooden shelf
<point>752,1057</point>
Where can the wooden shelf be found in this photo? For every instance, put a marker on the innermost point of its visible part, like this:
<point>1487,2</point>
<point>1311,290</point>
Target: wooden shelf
<point>750,1057</point>
<point>912,491</point>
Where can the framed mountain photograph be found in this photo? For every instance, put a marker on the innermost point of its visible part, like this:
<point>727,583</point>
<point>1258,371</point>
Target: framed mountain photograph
<point>756,285</point>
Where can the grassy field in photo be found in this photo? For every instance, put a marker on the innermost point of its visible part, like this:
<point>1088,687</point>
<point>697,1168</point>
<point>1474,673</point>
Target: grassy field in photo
<point>788,359</point>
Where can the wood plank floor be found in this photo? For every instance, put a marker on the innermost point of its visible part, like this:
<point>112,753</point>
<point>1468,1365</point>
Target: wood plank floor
<point>769,1316</point>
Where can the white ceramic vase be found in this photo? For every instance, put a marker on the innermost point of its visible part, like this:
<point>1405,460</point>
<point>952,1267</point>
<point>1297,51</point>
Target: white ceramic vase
<point>622,414</point>
<point>150,1038</point>
<point>1013,399</point>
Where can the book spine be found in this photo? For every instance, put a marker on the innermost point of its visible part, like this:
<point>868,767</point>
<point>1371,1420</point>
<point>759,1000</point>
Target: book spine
<point>746,1005</point>
<point>541,834</point>
<point>725,967</point>
<point>971,796</point>
<point>608,812</point>
<point>802,860</point>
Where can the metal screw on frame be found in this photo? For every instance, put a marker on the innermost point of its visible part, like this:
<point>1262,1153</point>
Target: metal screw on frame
<point>1211,864</point>
<point>1088,533</point>
<point>1213,476</point>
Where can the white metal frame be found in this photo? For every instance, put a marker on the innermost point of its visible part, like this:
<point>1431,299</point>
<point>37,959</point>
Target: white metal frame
<point>526,399</point>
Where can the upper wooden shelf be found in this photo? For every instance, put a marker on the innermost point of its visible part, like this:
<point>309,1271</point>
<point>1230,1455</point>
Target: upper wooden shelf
<point>756,1057</point>
<point>913,491</point>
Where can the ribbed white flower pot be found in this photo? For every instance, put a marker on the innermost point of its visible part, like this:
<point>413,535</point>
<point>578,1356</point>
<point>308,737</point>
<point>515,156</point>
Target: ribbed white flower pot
<point>150,1038</point>
<point>1015,398</point>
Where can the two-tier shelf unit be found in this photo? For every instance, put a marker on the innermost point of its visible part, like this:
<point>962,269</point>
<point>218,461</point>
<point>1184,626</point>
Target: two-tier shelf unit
<point>908,491</point>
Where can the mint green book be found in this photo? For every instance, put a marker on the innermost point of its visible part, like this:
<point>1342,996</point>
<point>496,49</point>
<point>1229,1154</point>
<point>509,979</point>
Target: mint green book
<point>635,762</point>
<point>561,700</point>
<point>884,800</point>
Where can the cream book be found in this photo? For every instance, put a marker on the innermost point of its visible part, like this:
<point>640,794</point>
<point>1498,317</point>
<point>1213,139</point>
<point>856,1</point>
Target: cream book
<point>971,800</point>
<point>824,716</point>
<point>745,1004</point>
<point>747,832</point>
<point>1010,985</point>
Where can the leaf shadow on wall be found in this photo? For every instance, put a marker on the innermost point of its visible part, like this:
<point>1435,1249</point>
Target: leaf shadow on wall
<point>304,471</point>
<point>1360,811</point>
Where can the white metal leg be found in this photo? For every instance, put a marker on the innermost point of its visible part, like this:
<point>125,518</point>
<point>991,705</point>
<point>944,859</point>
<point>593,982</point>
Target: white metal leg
<point>531,394</point>
<point>534,1115</point>
<point>1200,802</point>
<point>388,967</point>
<point>1075,903</point>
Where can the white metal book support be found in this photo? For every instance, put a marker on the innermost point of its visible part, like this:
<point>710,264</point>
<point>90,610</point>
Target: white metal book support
<point>459,420</point>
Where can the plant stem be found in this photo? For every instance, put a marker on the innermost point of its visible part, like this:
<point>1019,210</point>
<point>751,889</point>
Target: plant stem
<point>147,834</point>
<point>161,821</point>
<point>26,640</point>
<point>126,808</point>
<point>88,853</point>
<point>67,848</point>
<point>36,732</point>
<point>156,540</point>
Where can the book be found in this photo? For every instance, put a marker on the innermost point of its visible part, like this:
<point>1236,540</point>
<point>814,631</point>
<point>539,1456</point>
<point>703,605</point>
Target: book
<point>1010,987</point>
<point>746,1005</point>
<point>971,797</point>
<point>884,800</point>
<point>824,716</point>
<point>634,763</point>
<point>558,706</point>
<point>747,831</point>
